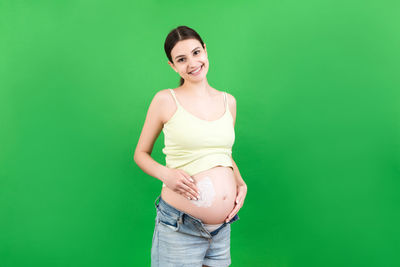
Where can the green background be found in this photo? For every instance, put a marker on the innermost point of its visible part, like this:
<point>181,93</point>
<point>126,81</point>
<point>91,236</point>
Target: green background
<point>317,130</point>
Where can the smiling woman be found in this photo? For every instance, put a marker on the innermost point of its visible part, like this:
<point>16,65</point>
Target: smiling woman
<point>202,186</point>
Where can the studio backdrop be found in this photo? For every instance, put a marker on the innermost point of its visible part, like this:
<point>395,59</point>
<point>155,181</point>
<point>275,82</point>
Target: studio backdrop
<point>317,128</point>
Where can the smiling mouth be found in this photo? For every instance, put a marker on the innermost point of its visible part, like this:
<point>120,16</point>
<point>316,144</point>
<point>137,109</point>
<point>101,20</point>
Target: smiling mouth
<point>197,70</point>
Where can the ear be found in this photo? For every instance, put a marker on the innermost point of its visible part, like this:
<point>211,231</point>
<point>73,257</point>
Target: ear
<point>205,48</point>
<point>172,66</point>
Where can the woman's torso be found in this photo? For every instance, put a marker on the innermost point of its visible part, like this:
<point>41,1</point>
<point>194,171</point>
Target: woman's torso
<point>217,188</point>
<point>217,184</point>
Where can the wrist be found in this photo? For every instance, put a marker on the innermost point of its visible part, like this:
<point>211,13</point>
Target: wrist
<point>163,173</point>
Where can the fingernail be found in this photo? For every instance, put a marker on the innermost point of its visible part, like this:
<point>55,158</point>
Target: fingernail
<point>188,198</point>
<point>191,180</point>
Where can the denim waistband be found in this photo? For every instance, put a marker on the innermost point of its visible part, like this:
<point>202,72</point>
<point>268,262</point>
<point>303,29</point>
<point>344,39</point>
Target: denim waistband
<point>181,216</point>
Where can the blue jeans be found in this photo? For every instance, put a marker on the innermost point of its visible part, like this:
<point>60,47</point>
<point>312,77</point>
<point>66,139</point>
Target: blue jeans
<point>180,239</point>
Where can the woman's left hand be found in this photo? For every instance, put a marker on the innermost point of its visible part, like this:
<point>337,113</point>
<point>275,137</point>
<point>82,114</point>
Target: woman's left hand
<point>241,195</point>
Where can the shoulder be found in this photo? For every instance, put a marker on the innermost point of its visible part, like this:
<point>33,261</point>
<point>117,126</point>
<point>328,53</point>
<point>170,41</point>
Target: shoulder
<point>232,105</point>
<point>162,95</point>
<point>163,99</point>
<point>231,99</point>
<point>164,104</point>
<point>231,102</point>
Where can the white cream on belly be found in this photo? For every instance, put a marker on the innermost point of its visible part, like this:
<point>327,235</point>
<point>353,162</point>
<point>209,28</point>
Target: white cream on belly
<point>206,192</point>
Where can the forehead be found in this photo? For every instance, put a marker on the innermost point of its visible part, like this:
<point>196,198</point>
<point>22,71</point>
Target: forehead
<point>184,47</point>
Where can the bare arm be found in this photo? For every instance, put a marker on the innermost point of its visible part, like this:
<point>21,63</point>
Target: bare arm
<point>177,180</point>
<point>239,179</point>
<point>232,106</point>
<point>150,132</point>
<point>241,185</point>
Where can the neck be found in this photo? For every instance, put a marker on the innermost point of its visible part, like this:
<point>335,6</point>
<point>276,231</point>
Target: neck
<point>201,88</point>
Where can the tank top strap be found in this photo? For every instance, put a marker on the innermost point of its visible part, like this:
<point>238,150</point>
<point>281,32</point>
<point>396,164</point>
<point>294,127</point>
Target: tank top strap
<point>174,96</point>
<point>225,100</point>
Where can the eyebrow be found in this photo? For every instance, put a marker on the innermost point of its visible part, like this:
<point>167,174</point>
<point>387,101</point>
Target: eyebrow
<point>184,55</point>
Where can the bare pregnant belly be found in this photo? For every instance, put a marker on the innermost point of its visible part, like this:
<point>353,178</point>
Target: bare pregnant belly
<point>217,188</point>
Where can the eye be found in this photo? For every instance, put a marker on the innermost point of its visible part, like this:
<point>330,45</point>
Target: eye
<point>179,60</point>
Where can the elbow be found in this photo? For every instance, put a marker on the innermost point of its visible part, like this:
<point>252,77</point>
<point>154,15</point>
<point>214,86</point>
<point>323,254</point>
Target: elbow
<point>136,157</point>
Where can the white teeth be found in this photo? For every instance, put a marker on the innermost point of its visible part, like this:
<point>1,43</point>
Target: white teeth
<point>197,70</point>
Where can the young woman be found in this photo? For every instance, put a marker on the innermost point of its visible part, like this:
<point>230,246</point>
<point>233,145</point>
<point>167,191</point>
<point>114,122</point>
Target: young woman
<point>202,188</point>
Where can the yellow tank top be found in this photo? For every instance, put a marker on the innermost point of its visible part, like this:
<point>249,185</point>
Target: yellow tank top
<point>193,144</point>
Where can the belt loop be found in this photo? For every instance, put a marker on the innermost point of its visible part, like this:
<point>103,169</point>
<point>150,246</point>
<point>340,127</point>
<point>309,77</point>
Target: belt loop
<point>157,199</point>
<point>180,219</point>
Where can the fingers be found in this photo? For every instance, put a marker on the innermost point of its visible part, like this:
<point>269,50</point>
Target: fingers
<point>232,215</point>
<point>189,192</point>
<point>185,186</point>
<point>238,204</point>
<point>188,189</point>
<point>189,181</point>
<point>234,211</point>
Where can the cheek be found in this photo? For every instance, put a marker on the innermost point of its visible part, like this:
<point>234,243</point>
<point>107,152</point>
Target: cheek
<point>204,58</point>
<point>206,61</point>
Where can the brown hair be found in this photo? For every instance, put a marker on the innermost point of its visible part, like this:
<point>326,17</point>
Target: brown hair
<point>180,33</point>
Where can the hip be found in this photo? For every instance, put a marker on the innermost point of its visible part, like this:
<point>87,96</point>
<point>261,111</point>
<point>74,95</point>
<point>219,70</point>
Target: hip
<point>181,239</point>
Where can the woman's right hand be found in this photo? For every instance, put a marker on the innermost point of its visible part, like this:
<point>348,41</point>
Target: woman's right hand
<point>181,182</point>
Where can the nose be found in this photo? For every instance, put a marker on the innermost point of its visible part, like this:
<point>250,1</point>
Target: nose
<point>192,63</point>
